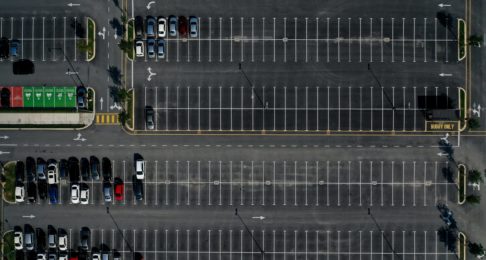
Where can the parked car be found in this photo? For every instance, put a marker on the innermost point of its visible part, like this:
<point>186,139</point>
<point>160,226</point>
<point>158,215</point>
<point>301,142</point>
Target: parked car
<point>30,169</point>
<point>41,169</point>
<point>75,190</point>
<point>63,255</point>
<point>19,192</point>
<point>193,22</point>
<point>52,255</point>
<point>161,26</point>
<point>53,193</point>
<point>139,48</point>
<point>119,188</point>
<point>150,23</point>
<point>85,169</point>
<point>95,167</point>
<point>23,67</point>
<point>41,255</point>
<point>84,194</point>
<point>139,26</point>
<point>95,254</point>
<point>107,191</point>
<point>151,47</point>
<point>106,169</point>
<point>81,94</point>
<point>116,255</point>
<point>172,25</point>
<point>4,48</point>
<point>62,239</point>
<point>18,238</point>
<point>137,188</point>
<point>63,168</point>
<point>51,236</point>
<point>41,239</point>
<point>105,255</point>
<point>31,192</point>
<point>14,48</point>
<point>139,165</point>
<point>160,49</point>
<point>183,26</point>
<point>73,169</point>
<point>85,240</point>
<point>20,171</point>
<point>42,189</point>
<point>29,237</point>
<point>149,118</point>
<point>5,97</point>
<point>52,172</point>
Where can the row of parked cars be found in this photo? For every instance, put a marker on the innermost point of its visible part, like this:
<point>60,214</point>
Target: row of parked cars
<point>43,178</point>
<point>56,246</point>
<point>154,30</point>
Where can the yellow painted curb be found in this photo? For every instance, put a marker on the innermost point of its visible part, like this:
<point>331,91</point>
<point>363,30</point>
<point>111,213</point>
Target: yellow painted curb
<point>461,249</point>
<point>459,57</point>
<point>459,201</point>
<point>88,59</point>
<point>462,107</point>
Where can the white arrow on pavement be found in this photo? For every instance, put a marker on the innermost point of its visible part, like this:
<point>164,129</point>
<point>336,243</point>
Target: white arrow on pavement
<point>29,216</point>
<point>149,4</point>
<point>442,154</point>
<point>101,103</point>
<point>71,4</point>
<point>78,138</point>
<point>71,72</point>
<point>2,152</point>
<point>445,75</point>
<point>149,69</point>
<point>259,217</point>
<point>444,5</point>
<point>4,137</point>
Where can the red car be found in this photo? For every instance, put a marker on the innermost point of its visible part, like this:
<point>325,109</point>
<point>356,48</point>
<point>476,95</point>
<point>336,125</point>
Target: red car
<point>183,26</point>
<point>119,186</point>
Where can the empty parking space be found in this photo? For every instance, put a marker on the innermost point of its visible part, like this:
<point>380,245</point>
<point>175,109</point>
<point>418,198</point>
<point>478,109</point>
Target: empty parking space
<point>45,38</point>
<point>295,108</point>
<point>315,39</point>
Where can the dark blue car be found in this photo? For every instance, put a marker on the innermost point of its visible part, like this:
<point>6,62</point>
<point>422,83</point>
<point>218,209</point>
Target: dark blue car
<point>53,193</point>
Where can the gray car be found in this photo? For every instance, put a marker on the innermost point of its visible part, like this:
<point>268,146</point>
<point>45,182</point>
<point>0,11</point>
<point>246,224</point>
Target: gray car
<point>149,118</point>
<point>160,49</point>
<point>85,238</point>
<point>150,26</point>
<point>173,25</point>
<point>151,47</point>
<point>193,26</point>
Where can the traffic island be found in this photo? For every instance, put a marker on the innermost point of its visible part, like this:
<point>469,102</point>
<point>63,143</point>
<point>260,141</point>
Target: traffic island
<point>129,38</point>
<point>8,249</point>
<point>462,109</point>
<point>461,184</point>
<point>91,39</point>
<point>461,246</point>
<point>8,182</point>
<point>126,117</point>
<point>462,39</point>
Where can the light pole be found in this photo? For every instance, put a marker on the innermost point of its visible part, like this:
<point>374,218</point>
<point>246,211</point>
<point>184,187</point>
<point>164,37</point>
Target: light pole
<point>249,232</point>
<point>252,87</point>
<point>382,89</point>
<point>119,230</point>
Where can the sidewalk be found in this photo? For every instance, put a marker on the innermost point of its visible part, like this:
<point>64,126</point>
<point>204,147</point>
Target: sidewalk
<point>46,119</point>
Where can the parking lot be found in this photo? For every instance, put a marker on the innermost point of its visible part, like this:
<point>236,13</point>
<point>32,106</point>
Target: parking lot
<point>293,108</point>
<point>282,184</point>
<point>45,38</point>
<point>315,39</point>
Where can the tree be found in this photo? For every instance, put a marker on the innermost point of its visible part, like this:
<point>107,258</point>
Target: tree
<point>126,45</point>
<point>475,176</point>
<point>473,123</point>
<point>475,40</point>
<point>123,117</point>
<point>476,249</point>
<point>473,199</point>
<point>123,95</point>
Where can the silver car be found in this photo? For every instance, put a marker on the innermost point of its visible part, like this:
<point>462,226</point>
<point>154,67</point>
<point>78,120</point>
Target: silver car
<point>173,25</point>
<point>193,26</point>
<point>160,49</point>
<point>151,47</point>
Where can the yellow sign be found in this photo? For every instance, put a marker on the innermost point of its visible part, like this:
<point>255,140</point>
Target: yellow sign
<point>442,125</point>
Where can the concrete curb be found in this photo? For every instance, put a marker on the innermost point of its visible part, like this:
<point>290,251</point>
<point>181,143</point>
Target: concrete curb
<point>3,172</point>
<point>88,59</point>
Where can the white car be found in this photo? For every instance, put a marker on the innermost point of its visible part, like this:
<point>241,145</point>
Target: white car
<point>18,238</point>
<point>63,242</point>
<point>84,195</point>
<point>161,27</point>
<point>140,169</point>
<point>95,255</point>
<point>19,192</point>
<point>41,256</point>
<point>75,194</point>
<point>63,256</point>
<point>52,174</point>
<point>139,48</point>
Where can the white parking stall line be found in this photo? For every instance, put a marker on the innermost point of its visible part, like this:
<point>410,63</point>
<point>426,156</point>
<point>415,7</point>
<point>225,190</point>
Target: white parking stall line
<point>371,244</point>
<point>414,183</point>
<point>414,20</point>
<point>209,244</point>
<point>435,39</point>
<point>295,108</point>
<point>231,184</point>
<point>360,185</point>
<point>241,108</point>
<point>241,38</point>
<point>349,183</point>
<point>220,39</point>
<point>124,180</point>
<point>393,39</point>
<point>381,184</point>
<point>435,181</point>
<point>295,244</point>
<point>263,40</point>
<point>371,39</point>
<point>327,183</point>
<point>75,39</point>
<point>177,46</point>
<point>360,245</point>
<point>285,184</point>
<point>317,39</point>
<point>338,183</point>
<point>274,39</point>
<point>274,180</point>
<point>383,110</point>
<point>403,183</point>
<point>393,110</point>
<point>198,40</point>
<point>392,183</point>
<point>166,108</point>
<point>350,109</point>
<point>199,183</point>
<point>317,108</point>
<point>22,36</point>
<point>263,183</point>
<point>274,109</point>
<point>414,244</point>
<point>371,183</point>
<point>231,39</point>
<point>349,39</point>
<point>306,38</point>
<point>295,40</point>
<point>252,108</point>
<point>252,183</point>
<point>167,182</point>
<point>199,108</point>
<point>188,201</point>
<point>155,245</point>
<point>32,38</point>
<point>177,183</point>
<point>381,38</point>
<point>425,39</point>
<point>209,183</point>
<point>145,102</point>
<point>177,108</point>
<point>339,108</point>
<point>252,39</point>
<point>285,39</point>
<point>339,39</point>
<point>210,108</point>
<point>360,108</point>
<point>338,242</point>
<point>306,183</point>
<point>43,38</point>
<point>54,41</point>
<point>156,105</point>
<point>70,238</point>
<point>414,109</point>
<point>241,183</point>
<point>285,108</point>
<point>156,163</point>
<point>177,243</point>
<point>167,242</point>
<point>360,40</point>
<point>209,37</point>
<point>425,185</point>
<point>188,51</point>
<point>446,42</point>
<point>403,39</point>
<point>306,108</point>
<point>220,109</point>
<point>220,186</point>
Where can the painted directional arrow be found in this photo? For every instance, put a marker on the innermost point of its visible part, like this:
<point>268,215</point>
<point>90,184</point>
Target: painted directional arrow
<point>101,103</point>
<point>29,216</point>
<point>444,5</point>
<point>259,217</point>
<point>149,4</point>
<point>4,137</point>
<point>442,154</point>
<point>2,152</point>
<point>445,75</point>
<point>71,4</point>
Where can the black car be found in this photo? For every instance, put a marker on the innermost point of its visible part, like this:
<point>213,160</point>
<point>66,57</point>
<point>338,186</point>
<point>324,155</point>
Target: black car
<point>23,67</point>
<point>73,169</point>
<point>85,169</point>
<point>41,239</point>
<point>30,168</point>
<point>4,48</point>
<point>5,97</point>
<point>81,93</point>
<point>94,163</point>
<point>139,27</point>
<point>106,168</point>
<point>137,188</point>
<point>63,165</point>
<point>85,240</point>
<point>20,171</point>
<point>31,192</point>
<point>42,189</point>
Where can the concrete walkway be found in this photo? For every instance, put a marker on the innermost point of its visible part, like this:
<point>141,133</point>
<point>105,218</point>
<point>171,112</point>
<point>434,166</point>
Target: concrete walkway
<point>47,118</point>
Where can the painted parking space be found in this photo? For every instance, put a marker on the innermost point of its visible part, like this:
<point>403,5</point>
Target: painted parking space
<point>295,108</point>
<point>45,38</point>
<point>314,39</point>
